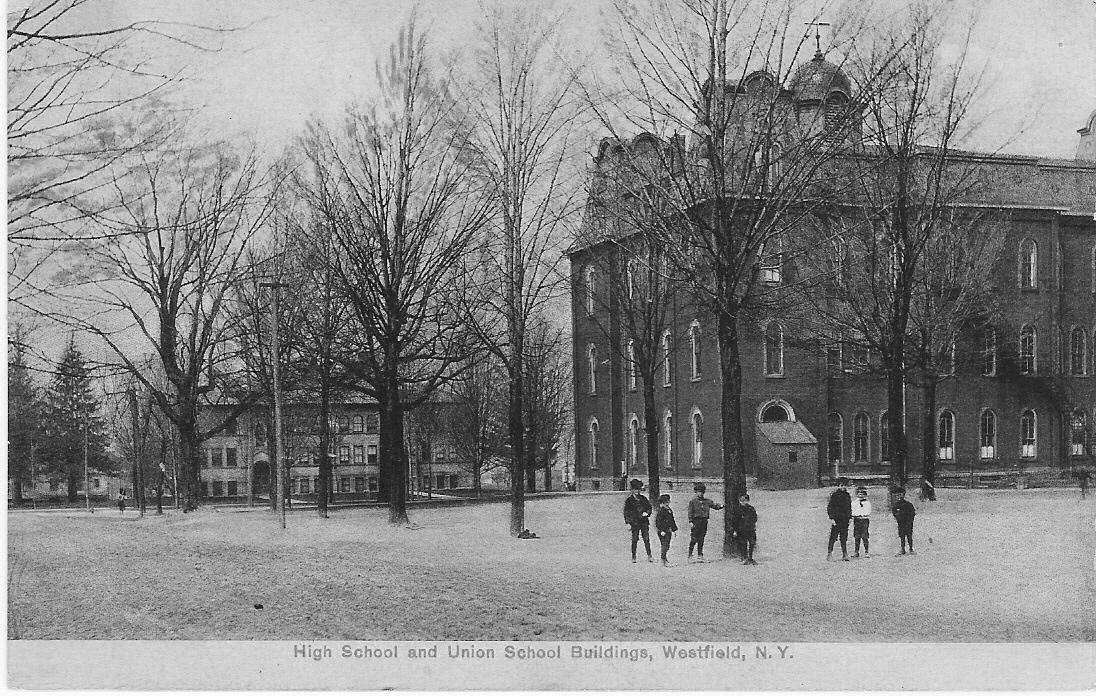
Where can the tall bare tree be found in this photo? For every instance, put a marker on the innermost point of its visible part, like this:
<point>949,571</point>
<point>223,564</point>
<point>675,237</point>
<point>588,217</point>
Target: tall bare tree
<point>392,188</point>
<point>522,113</point>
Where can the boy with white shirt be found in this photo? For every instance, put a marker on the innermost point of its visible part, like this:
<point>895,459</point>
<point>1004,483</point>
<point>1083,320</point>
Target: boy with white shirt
<point>861,513</point>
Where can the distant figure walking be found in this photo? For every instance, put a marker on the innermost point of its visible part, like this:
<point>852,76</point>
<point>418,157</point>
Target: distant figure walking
<point>904,513</point>
<point>861,519</point>
<point>840,512</point>
<point>699,511</point>
<point>121,504</point>
<point>746,533</point>
<point>665,525</point>
<point>1085,477</point>
<point>928,491</point>
<point>637,513</point>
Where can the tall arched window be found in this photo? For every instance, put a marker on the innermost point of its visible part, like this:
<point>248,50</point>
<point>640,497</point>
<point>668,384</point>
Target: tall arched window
<point>989,352</point>
<point>630,280</point>
<point>668,441</point>
<point>1078,351</point>
<point>1029,443</point>
<point>1078,433</point>
<point>834,438</point>
<point>772,261</point>
<point>594,441</point>
<point>698,437</point>
<point>590,281</point>
<point>632,376</point>
<point>987,435</point>
<point>945,434</point>
<point>860,442</point>
<point>633,443</point>
<point>694,349</point>
<point>1029,264</point>
<point>774,349</point>
<point>1028,345</point>
<point>884,437</point>
<point>591,364</point>
<point>667,359</point>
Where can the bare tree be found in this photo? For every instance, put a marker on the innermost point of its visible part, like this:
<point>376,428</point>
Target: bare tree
<point>393,190</point>
<point>549,406</point>
<point>521,111</point>
<point>162,279</point>
<point>477,425</point>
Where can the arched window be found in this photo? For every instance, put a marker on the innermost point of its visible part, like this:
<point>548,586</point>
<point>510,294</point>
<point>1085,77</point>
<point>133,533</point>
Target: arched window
<point>945,434</point>
<point>860,437</point>
<point>357,425</point>
<point>1028,345</point>
<point>1078,433</point>
<point>1061,354</point>
<point>989,352</point>
<point>1029,444</point>
<point>591,291</point>
<point>772,260</point>
<point>694,345</point>
<point>591,364</point>
<point>1029,264</point>
<point>834,438</point>
<point>1078,351</point>
<point>632,377</point>
<point>668,441</point>
<point>774,349</point>
<point>698,437</point>
<point>987,435</point>
<point>630,272</point>
<point>949,359</point>
<point>633,443</point>
<point>594,442</point>
<point>667,359</point>
<point>775,167</point>
<point>884,437</point>
<point>775,413</point>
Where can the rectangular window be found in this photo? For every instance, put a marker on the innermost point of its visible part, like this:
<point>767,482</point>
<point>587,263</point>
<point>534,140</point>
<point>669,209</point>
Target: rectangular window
<point>441,480</point>
<point>359,454</point>
<point>316,484</point>
<point>304,485</point>
<point>344,484</point>
<point>426,482</point>
<point>372,453</point>
<point>372,483</point>
<point>372,422</point>
<point>454,482</point>
<point>344,454</point>
<point>359,484</point>
<point>217,456</point>
<point>218,489</point>
<point>439,454</point>
<point>344,424</point>
<point>95,482</point>
<point>452,453</point>
<point>230,456</point>
<point>233,488</point>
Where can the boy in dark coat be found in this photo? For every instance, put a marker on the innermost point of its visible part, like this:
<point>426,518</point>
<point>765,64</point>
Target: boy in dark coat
<point>665,525</point>
<point>840,512</point>
<point>746,531</point>
<point>699,511</point>
<point>904,512</point>
<point>637,514</point>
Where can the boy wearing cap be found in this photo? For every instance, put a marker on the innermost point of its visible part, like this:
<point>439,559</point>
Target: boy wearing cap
<point>665,525</point>
<point>699,511</point>
<point>746,532</point>
<point>637,514</point>
<point>904,512</point>
<point>840,512</point>
<point>861,514</point>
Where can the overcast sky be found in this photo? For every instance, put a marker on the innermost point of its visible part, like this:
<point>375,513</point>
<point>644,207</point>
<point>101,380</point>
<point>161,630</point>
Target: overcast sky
<point>297,58</point>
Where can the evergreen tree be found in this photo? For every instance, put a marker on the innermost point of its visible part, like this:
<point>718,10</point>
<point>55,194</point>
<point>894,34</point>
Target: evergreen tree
<point>71,405</point>
<point>24,422</point>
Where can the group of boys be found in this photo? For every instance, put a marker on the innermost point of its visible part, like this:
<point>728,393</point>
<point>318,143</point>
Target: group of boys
<point>637,514</point>
<point>841,510</point>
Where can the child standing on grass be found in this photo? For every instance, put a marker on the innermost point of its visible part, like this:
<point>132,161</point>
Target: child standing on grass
<point>637,514</point>
<point>121,504</point>
<point>747,529</point>
<point>839,510</point>
<point>903,514</point>
<point>699,511</point>
<point>861,514</point>
<point>665,525</point>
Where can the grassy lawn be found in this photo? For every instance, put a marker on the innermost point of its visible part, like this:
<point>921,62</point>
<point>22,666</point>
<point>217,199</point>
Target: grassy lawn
<point>991,566</point>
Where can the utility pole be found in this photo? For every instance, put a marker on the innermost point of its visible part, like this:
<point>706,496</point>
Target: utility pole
<point>138,479</point>
<point>279,446</point>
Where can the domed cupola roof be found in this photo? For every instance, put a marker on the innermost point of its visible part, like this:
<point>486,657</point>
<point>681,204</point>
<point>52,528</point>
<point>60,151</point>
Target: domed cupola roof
<point>814,80</point>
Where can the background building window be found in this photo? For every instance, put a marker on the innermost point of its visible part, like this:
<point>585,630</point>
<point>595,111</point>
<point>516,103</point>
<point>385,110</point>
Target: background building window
<point>834,438</point>
<point>667,359</point>
<point>946,436</point>
<point>218,489</point>
<point>359,484</point>
<point>774,349</point>
<point>304,486</point>
<point>371,452</point>
<point>594,442</point>
<point>1029,264</point>
<point>694,345</point>
<point>358,424</point>
<point>591,291</point>
<point>344,454</point>
<point>591,360</point>
<point>989,352</point>
<point>1028,435</point>
<point>344,484</point>
<point>359,454</point>
<point>230,456</point>
<point>1028,346</point>
<point>217,457</point>
<point>454,481</point>
<point>698,438</point>
<point>632,377</point>
<point>668,442</point>
<point>860,427</point>
<point>1078,428</point>
<point>633,443</point>
<point>233,488</point>
<point>1078,351</point>
<point>372,422</point>
<point>987,435</point>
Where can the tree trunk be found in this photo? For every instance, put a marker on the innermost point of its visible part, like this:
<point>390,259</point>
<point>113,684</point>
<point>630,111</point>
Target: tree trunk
<point>272,451</point>
<point>530,460</point>
<point>547,473</point>
<point>929,453</point>
<point>517,451</point>
<point>72,485</point>
<point>190,454</point>
<point>325,447</point>
<point>734,459</point>
<point>391,442</point>
<point>650,426</point>
<point>896,411</point>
